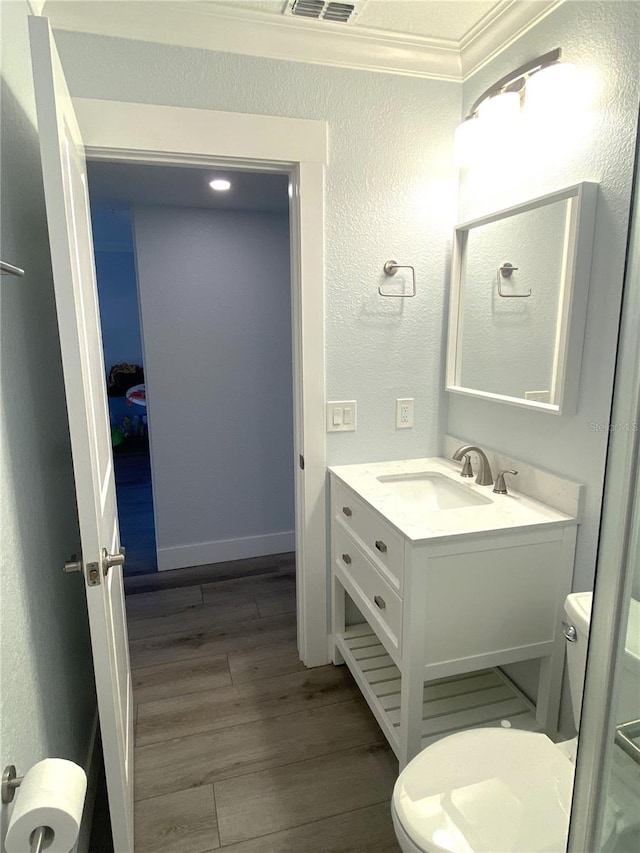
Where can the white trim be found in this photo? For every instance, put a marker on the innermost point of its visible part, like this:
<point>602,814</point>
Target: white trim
<point>223,550</point>
<point>170,130</point>
<point>253,33</point>
<point>498,30</point>
<point>309,348</point>
<point>115,130</point>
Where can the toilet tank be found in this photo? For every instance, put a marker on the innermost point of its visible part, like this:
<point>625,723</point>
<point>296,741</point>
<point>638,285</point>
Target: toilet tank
<point>577,608</point>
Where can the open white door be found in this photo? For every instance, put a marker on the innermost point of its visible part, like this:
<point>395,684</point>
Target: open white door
<point>64,170</point>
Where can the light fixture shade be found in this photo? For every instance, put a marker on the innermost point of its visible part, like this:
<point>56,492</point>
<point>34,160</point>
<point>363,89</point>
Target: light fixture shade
<point>466,142</point>
<point>551,90</point>
<point>499,109</point>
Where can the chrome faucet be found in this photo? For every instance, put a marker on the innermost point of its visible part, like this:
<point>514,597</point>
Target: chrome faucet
<point>484,478</point>
<point>500,487</point>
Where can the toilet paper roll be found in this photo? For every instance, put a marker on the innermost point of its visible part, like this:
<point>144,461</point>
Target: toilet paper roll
<point>52,795</point>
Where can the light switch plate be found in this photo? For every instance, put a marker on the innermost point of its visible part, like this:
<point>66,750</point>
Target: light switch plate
<point>341,416</point>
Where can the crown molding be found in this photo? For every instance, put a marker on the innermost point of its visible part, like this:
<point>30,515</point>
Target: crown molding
<point>500,28</point>
<point>252,33</point>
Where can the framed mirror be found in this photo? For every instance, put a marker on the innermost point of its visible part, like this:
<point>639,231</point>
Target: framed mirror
<point>518,303</point>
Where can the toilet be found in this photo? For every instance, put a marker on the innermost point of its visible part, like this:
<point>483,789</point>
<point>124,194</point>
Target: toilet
<point>491,790</point>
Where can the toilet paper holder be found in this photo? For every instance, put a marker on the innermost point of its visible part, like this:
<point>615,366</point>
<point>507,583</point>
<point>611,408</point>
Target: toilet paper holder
<point>11,781</point>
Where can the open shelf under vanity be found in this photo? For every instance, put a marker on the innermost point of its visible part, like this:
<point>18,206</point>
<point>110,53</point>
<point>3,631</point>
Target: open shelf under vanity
<point>472,700</point>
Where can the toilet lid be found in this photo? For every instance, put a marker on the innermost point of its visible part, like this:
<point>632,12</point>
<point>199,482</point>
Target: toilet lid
<point>487,791</point>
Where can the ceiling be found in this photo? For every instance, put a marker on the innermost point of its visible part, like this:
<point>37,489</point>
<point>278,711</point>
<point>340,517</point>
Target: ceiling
<point>438,39</point>
<point>118,185</point>
<point>442,19</point>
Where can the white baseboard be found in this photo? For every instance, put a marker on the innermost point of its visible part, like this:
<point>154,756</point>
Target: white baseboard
<point>92,769</point>
<point>223,550</point>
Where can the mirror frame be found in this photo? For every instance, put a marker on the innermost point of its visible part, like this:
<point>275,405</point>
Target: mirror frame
<point>572,308</point>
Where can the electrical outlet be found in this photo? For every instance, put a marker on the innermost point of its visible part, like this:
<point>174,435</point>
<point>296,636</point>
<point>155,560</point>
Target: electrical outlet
<point>404,413</point>
<point>341,416</point>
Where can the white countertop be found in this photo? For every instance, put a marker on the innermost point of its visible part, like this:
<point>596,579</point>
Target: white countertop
<point>512,511</point>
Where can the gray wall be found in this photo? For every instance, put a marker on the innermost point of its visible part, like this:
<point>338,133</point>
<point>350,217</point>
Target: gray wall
<point>215,298</point>
<point>390,193</point>
<point>46,679</point>
<point>598,145</point>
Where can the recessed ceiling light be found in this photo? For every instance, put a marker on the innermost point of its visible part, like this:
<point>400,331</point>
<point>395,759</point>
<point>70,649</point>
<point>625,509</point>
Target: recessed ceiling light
<point>220,185</point>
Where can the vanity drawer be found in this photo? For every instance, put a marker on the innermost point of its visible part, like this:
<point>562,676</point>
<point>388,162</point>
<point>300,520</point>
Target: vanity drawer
<point>375,597</point>
<point>380,541</point>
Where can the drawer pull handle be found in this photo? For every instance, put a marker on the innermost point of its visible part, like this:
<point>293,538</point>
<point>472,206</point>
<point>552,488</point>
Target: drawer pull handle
<point>380,602</point>
<point>346,559</point>
<point>381,546</point>
<point>347,511</point>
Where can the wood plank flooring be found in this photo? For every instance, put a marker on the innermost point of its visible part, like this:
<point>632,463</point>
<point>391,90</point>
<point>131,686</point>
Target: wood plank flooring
<point>238,746</point>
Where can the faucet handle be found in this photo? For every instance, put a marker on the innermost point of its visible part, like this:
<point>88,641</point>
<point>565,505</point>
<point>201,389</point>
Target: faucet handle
<point>500,487</point>
<point>467,470</point>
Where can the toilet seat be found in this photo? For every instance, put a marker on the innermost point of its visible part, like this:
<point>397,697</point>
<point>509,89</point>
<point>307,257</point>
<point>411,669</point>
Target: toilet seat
<point>484,791</point>
<point>406,844</point>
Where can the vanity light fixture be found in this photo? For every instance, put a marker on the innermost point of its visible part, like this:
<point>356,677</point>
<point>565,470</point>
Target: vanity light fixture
<point>220,185</point>
<point>498,108</point>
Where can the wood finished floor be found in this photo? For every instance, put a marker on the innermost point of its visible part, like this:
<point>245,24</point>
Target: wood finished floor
<point>238,746</point>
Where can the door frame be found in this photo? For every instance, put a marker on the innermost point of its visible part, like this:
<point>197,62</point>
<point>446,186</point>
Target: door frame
<point>131,132</point>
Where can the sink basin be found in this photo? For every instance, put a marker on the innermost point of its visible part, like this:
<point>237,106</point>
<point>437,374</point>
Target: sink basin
<point>431,492</point>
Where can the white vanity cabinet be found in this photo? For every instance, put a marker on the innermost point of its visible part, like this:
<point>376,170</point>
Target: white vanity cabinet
<point>444,608</point>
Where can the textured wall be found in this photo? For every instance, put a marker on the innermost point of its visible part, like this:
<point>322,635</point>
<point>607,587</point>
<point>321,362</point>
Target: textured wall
<point>46,678</point>
<point>390,194</point>
<point>597,144</point>
<point>215,298</point>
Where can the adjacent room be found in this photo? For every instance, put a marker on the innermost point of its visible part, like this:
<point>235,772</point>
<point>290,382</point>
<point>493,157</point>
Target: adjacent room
<point>193,274</point>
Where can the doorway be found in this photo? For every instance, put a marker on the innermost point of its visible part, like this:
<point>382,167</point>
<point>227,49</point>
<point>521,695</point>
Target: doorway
<point>114,253</point>
<point>133,132</point>
<point>195,301</point>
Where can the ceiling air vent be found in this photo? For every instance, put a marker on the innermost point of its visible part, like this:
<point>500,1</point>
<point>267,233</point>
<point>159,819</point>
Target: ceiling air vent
<point>323,10</point>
